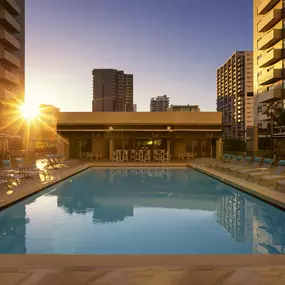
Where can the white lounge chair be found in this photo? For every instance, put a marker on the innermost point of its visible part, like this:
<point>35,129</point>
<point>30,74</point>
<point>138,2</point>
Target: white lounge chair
<point>263,165</point>
<point>273,174</point>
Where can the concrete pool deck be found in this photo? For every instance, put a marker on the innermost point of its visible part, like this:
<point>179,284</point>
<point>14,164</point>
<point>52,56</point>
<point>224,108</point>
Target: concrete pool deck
<point>142,269</point>
<point>268,194</point>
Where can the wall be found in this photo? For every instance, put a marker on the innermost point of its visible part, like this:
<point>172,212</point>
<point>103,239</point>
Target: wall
<point>140,118</point>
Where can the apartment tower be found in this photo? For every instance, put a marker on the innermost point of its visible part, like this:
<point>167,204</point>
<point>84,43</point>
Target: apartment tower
<point>235,94</point>
<point>159,104</point>
<point>268,44</point>
<point>112,91</point>
<point>12,60</point>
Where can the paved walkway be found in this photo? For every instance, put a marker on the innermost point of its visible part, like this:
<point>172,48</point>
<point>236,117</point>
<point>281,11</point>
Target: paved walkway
<point>190,275</point>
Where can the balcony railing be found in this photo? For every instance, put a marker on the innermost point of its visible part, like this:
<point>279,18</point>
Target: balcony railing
<point>9,40</point>
<point>270,76</point>
<point>8,58</point>
<point>269,39</point>
<point>270,95</point>
<point>265,6</point>
<point>9,21</point>
<point>270,58</point>
<point>269,20</point>
<point>5,95</point>
<point>12,7</point>
<point>9,77</point>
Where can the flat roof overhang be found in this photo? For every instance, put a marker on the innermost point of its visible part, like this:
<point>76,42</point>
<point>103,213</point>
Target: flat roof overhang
<point>138,130</point>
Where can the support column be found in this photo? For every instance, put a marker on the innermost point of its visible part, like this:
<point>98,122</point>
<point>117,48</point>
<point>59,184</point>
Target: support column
<point>255,138</point>
<point>111,148</point>
<point>168,146</point>
<point>219,148</point>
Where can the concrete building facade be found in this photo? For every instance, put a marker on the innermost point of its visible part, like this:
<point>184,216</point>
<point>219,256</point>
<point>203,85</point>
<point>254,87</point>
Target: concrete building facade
<point>195,132</point>
<point>184,108</point>
<point>12,60</point>
<point>112,91</point>
<point>268,45</point>
<point>159,104</point>
<point>235,94</point>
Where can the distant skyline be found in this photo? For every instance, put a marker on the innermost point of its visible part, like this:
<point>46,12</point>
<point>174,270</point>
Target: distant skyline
<point>172,47</point>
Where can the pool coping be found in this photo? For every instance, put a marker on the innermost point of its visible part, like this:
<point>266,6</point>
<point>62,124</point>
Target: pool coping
<point>119,261</point>
<point>263,193</point>
<point>137,260</point>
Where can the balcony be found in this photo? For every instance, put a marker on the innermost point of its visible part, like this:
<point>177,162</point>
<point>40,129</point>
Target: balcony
<point>270,58</point>
<point>9,40</point>
<point>12,7</point>
<point>270,95</point>
<point>8,77</point>
<point>9,22</point>
<point>269,20</point>
<point>270,76</point>
<point>5,95</point>
<point>265,6</point>
<point>269,39</point>
<point>8,58</point>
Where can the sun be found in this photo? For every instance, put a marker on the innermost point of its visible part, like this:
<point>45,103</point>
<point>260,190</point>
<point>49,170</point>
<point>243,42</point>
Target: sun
<point>29,111</point>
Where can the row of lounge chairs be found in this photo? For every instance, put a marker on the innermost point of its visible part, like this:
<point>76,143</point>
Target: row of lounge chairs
<point>255,169</point>
<point>11,176</point>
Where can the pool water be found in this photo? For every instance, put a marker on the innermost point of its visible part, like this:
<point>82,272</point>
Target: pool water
<point>142,211</point>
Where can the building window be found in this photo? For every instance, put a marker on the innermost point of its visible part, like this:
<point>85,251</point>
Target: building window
<point>259,109</point>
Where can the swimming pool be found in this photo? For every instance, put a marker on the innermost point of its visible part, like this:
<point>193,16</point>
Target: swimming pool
<point>142,211</point>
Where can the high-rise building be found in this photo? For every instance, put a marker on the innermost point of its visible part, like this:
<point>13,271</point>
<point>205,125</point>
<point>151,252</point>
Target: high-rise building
<point>184,108</point>
<point>268,45</point>
<point>129,95</point>
<point>112,91</point>
<point>159,104</point>
<point>235,94</point>
<point>12,60</point>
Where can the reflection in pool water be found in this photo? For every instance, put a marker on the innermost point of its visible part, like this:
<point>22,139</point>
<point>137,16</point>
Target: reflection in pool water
<point>142,211</point>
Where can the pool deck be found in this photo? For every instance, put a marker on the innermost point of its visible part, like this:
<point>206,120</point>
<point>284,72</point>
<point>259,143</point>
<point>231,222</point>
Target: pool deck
<point>265,193</point>
<point>142,270</point>
<point>145,269</point>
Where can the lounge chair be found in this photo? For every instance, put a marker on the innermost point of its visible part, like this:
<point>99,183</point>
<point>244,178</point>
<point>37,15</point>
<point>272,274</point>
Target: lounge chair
<point>271,174</point>
<point>10,174</point>
<point>213,163</point>
<point>61,163</point>
<point>245,163</point>
<point>274,176</point>
<point>265,168</point>
<point>236,161</point>
<point>54,162</point>
<point>250,162</point>
<point>256,166</point>
<point>31,169</point>
<point>280,183</point>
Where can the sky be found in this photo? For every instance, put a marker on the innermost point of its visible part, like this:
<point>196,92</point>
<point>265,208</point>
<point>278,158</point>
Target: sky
<point>172,47</point>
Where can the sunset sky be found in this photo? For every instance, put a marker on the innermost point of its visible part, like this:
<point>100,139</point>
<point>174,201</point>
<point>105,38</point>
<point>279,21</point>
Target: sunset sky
<point>172,47</point>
